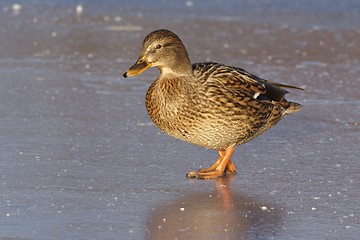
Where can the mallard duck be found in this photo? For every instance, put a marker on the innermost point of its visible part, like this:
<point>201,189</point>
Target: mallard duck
<point>208,104</point>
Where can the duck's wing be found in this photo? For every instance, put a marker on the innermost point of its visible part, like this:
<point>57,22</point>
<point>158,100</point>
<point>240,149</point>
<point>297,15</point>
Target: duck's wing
<point>239,80</point>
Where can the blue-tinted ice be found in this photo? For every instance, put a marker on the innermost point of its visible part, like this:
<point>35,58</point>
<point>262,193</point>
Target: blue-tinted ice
<point>80,158</point>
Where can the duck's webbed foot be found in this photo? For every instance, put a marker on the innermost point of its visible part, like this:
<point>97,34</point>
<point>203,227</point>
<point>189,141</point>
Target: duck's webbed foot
<point>219,168</point>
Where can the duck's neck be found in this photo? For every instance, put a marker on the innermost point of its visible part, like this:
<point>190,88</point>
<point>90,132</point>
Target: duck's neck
<point>175,72</point>
<point>181,66</point>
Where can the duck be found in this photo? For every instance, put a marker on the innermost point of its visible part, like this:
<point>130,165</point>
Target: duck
<point>208,104</point>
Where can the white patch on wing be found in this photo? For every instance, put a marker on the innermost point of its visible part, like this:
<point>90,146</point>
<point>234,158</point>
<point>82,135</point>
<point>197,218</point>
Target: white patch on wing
<point>256,95</point>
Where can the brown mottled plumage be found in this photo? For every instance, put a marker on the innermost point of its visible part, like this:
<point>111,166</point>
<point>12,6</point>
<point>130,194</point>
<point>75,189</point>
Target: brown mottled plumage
<point>208,104</point>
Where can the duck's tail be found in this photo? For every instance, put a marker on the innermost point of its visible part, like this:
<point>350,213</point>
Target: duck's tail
<point>291,107</point>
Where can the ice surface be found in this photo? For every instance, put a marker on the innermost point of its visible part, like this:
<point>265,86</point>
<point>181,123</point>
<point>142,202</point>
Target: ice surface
<point>80,159</point>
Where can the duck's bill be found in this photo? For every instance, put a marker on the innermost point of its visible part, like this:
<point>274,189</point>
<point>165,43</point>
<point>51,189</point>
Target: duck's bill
<point>140,66</point>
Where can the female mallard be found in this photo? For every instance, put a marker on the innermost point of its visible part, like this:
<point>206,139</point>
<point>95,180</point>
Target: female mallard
<point>208,104</point>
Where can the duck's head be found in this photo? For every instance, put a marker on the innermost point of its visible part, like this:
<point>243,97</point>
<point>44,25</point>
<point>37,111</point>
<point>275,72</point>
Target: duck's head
<point>162,49</point>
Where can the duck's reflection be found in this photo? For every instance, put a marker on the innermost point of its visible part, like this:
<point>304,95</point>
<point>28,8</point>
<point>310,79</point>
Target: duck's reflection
<point>220,214</point>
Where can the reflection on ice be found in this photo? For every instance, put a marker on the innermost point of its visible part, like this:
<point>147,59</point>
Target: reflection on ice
<point>215,215</point>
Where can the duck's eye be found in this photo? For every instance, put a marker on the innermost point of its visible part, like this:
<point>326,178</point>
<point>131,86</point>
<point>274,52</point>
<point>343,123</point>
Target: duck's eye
<point>158,46</point>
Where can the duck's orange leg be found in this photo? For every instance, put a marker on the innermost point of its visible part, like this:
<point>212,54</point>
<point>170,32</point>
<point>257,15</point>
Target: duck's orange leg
<point>218,169</point>
<point>230,167</point>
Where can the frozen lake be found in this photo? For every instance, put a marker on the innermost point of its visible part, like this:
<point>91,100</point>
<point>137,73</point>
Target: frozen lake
<point>80,158</point>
